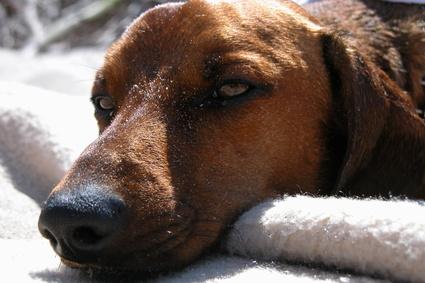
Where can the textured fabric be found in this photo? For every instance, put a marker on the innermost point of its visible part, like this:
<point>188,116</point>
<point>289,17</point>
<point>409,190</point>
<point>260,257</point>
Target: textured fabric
<point>376,237</point>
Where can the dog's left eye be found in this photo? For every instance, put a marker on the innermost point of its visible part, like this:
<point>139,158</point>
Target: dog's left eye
<point>232,89</point>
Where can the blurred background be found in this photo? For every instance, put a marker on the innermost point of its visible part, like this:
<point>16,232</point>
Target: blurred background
<point>58,44</point>
<point>43,25</point>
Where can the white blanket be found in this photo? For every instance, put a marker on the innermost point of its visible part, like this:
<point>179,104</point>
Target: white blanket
<point>42,131</point>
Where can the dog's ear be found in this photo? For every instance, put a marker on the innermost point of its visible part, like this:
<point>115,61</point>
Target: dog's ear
<point>383,139</point>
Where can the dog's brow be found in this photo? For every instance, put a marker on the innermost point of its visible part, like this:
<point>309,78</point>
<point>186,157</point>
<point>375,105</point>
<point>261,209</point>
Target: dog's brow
<point>211,65</point>
<point>99,85</point>
<point>217,64</point>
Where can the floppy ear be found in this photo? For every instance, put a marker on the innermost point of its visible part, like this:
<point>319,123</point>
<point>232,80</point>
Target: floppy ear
<point>383,137</point>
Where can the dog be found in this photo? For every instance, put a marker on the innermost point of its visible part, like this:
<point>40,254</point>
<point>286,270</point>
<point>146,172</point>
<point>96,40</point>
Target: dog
<point>206,108</point>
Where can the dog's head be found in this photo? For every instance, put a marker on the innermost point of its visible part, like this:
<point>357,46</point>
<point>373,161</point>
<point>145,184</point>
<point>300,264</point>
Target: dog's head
<point>206,108</point>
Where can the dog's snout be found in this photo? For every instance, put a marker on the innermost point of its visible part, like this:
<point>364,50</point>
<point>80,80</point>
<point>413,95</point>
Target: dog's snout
<point>81,224</point>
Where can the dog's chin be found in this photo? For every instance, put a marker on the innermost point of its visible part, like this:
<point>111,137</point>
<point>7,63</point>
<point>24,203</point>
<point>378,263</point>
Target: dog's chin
<point>116,273</point>
<point>129,268</point>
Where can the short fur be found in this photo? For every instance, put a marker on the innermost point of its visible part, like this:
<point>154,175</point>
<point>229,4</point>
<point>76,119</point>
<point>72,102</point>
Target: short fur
<point>332,108</point>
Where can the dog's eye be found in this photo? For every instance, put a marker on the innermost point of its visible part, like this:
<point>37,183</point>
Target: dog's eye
<point>103,103</point>
<point>232,89</point>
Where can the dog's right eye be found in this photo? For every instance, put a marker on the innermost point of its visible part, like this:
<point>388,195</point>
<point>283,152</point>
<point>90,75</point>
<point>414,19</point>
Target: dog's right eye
<point>103,103</point>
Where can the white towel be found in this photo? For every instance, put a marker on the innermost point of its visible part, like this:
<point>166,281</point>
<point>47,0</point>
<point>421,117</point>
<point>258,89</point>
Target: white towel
<point>376,237</point>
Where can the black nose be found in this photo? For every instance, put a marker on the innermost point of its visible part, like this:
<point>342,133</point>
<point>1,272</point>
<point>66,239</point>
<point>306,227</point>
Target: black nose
<point>81,224</point>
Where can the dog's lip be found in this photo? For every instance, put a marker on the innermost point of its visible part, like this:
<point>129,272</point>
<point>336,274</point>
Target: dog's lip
<point>162,236</point>
<point>171,242</point>
<point>154,252</point>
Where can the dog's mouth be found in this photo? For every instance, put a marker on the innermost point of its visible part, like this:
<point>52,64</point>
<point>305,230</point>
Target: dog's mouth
<point>129,258</point>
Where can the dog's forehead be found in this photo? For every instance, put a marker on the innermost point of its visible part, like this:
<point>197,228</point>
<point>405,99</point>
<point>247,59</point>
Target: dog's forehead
<point>181,38</point>
<point>158,41</point>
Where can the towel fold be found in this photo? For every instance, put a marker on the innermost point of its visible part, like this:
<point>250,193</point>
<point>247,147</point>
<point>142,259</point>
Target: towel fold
<point>375,237</point>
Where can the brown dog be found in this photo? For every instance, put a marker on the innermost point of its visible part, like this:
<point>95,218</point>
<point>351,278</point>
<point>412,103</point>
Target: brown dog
<point>209,107</point>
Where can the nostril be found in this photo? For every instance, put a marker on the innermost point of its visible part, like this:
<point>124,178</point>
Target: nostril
<point>46,233</point>
<point>86,236</point>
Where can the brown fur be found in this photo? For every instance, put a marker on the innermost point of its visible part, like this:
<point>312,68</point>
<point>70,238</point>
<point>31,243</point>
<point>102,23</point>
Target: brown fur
<point>329,112</point>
